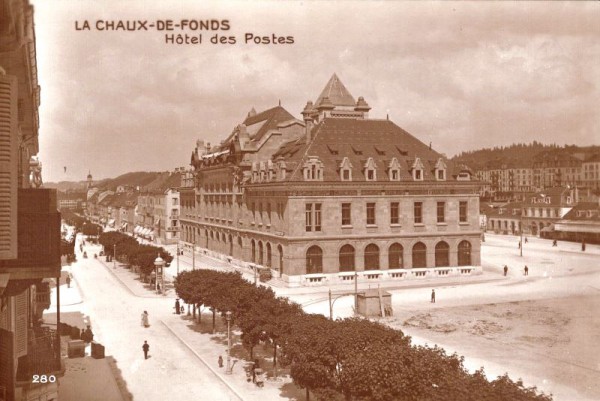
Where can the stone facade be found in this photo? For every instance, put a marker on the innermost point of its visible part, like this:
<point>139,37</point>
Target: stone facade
<point>330,197</point>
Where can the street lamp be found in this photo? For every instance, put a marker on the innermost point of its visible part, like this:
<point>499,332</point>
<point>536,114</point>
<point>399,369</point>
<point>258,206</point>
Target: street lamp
<point>178,258</point>
<point>114,256</point>
<point>158,266</point>
<point>228,317</point>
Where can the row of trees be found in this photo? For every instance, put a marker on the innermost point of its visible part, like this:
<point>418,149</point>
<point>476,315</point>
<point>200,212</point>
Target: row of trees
<point>129,251</point>
<point>346,359</point>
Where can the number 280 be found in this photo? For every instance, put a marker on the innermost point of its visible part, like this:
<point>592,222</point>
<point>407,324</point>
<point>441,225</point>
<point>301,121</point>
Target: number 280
<point>44,379</point>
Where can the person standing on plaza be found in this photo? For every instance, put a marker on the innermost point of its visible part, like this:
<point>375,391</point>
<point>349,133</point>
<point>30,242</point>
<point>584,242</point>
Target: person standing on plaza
<point>432,296</point>
<point>177,306</point>
<point>145,321</point>
<point>526,270</point>
<point>146,348</point>
<point>505,270</point>
<point>68,280</point>
<point>220,361</point>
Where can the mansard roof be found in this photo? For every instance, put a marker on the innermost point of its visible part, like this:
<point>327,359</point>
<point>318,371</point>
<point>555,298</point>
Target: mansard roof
<point>269,118</point>
<point>337,93</point>
<point>358,140</point>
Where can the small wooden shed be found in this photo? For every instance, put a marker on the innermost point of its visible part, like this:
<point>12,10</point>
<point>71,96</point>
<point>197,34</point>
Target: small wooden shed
<point>375,302</point>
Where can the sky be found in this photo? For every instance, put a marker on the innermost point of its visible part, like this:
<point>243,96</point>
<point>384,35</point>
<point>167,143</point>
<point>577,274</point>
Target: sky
<point>461,75</point>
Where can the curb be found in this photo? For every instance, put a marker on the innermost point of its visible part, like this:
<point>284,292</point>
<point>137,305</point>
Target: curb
<point>217,374</point>
<point>120,280</point>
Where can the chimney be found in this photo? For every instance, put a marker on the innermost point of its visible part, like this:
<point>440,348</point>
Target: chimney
<point>307,113</point>
<point>243,135</point>
<point>207,148</point>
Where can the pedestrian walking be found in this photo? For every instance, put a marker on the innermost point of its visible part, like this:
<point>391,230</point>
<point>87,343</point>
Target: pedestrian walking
<point>554,243</point>
<point>177,306</point>
<point>68,280</point>
<point>146,348</point>
<point>526,270</point>
<point>432,296</point>
<point>220,361</point>
<point>145,321</point>
<point>505,270</point>
<point>519,244</point>
<point>89,336</point>
<point>583,246</point>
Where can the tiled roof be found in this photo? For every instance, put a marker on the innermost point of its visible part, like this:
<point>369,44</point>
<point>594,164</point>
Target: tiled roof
<point>359,140</point>
<point>595,158</point>
<point>124,199</point>
<point>580,212</point>
<point>337,93</point>
<point>505,210</point>
<point>163,182</point>
<point>555,194</point>
<point>271,117</point>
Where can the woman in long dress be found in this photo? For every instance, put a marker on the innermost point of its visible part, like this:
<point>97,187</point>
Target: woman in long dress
<point>145,321</point>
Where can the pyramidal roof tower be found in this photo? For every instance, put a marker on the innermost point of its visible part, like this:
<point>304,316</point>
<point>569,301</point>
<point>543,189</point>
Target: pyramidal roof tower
<point>337,94</point>
<point>335,102</point>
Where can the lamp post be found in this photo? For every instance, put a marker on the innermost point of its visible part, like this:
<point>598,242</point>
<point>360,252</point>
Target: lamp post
<point>178,258</point>
<point>158,265</point>
<point>114,256</point>
<point>228,317</point>
<point>355,292</point>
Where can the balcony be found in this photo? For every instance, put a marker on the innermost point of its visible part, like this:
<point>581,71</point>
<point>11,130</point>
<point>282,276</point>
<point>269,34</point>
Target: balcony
<point>38,251</point>
<point>43,350</point>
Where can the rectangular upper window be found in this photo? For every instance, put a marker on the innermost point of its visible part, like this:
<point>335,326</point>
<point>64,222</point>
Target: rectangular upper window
<point>395,213</point>
<point>441,212</point>
<point>462,211</point>
<point>418,212</point>
<point>371,213</point>
<point>346,214</point>
<point>313,217</point>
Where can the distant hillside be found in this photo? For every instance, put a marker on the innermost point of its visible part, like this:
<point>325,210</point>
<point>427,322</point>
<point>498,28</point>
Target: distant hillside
<point>517,155</point>
<point>141,179</point>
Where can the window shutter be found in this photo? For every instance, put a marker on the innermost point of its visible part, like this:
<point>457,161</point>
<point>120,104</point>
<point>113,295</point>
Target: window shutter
<point>21,324</point>
<point>8,167</point>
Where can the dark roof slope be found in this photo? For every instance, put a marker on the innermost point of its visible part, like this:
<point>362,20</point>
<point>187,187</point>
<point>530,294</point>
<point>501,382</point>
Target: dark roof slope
<point>272,118</point>
<point>163,182</point>
<point>359,140</point>
<point>576,212</point>
<point>337,93</point>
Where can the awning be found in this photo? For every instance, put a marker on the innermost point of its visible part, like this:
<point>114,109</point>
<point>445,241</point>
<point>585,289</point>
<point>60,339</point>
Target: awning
<point>111,222</point>
<point>157,221</point>
<point>124,226</point>
<point>136,230</point>
<point>103,220</point>
<point>146,232</point>
<point>547,229</point>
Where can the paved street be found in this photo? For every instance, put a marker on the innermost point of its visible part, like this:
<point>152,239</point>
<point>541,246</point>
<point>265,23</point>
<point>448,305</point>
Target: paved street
<point>172,372</point>
<point>562,272</point>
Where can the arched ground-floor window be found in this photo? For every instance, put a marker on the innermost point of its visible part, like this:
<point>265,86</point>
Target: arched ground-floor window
<point>269,258</point>
<point>464,253</point>
<point>372,257</point>
<point>396,256</point>
<point>280,251</point>
<point>260,252</point>
<point>253,251</point>
<point>442,254</point>
<point>419,255</point>
<point>347,258</point>
<point>314,260</point>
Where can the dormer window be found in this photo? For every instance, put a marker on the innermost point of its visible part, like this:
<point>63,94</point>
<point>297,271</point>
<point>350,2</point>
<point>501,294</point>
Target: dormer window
<point>370,169</point>
<point>394,170</point>
<point>440,170</point>
<point>281,173</point>
<point>568,200</point>
<point>313,169</point>
<point>255,172</point>
<point>346,170</point>
<point>270,170</point>
<point>417,170</point>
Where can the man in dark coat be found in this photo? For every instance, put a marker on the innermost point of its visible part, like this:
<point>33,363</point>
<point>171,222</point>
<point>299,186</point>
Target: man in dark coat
<point>146,348</point>
<point>432,296</point>
<point>177,310</point>
<point>505,270</point>
<point>526,270</point>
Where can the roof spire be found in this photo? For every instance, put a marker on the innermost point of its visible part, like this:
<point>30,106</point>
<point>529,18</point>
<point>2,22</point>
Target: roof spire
<point>337,93</point>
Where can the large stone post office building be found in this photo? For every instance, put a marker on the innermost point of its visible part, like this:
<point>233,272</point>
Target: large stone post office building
<point>332,197</point>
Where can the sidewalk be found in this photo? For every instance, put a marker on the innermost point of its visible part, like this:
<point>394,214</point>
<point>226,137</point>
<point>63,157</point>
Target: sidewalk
<point>208,347</point>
